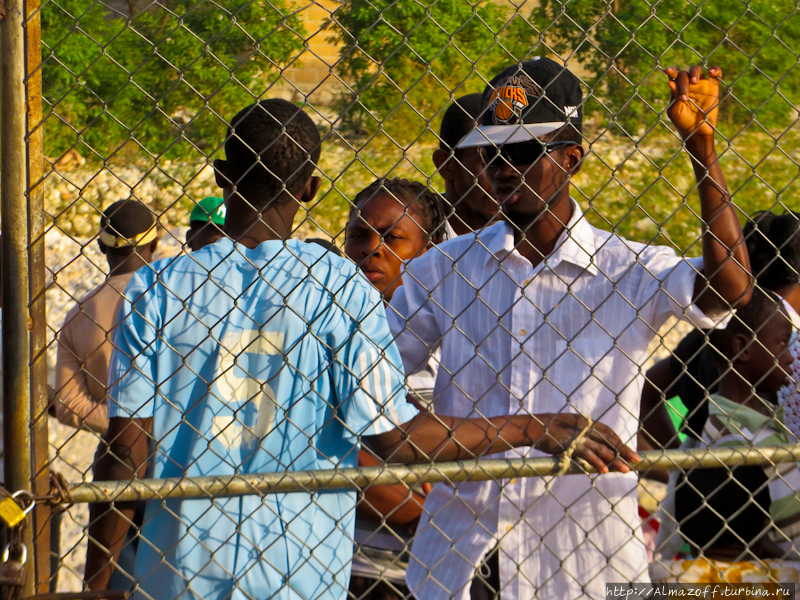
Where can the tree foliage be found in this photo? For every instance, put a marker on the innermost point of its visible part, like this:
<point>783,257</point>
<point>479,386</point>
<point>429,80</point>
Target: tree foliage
<point>405,61</point>
<point>165,79</point>
<point>624,45</point>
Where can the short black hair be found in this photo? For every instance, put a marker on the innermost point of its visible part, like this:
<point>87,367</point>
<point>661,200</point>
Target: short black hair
<point>719,506</point>
<point>773,243</point>
<point>747,320</point>
<point>459,119</point>
<point>427,204</point>
<point>271,146</point>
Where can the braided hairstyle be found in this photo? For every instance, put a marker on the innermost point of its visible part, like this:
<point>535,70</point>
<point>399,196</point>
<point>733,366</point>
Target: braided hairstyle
<point>773,243</point>
<point>427,205</point>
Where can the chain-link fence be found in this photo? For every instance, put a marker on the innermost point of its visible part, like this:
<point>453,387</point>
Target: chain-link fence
<point>362,299</point>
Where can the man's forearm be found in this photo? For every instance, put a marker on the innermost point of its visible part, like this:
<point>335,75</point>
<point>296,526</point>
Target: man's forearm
<point>430,437</point>
<point>725,261</point>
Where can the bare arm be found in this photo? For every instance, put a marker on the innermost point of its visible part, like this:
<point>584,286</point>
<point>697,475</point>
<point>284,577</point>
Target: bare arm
<point>74,403</point>
<point>726,265</point>
<point>125,459</point>
<point>428,436</point>
<point>657,428</point>
<point>398,504</point>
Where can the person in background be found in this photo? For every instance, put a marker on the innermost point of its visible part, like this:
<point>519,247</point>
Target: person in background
<point>467,188</point>
<point>543,311</point>
<point>128,240</point>
<point>391,222</point>
<point>731,518</point>
<point>262,354</point>
<point>773,241</point>
<point>206,223</point>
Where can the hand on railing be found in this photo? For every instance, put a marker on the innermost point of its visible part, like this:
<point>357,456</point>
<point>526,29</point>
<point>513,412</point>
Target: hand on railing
<point>595,443</point>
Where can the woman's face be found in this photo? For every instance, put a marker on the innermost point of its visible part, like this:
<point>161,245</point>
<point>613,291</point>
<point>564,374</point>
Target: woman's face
<point>382,237</point>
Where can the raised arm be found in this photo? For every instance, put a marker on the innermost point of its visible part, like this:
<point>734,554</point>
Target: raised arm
<point>694,108</point>
<point>125,459</point>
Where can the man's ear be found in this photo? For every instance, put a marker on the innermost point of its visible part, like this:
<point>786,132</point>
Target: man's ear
<point>154,245</point>
<point>740,345</point>
<point>573,159</point>
<point>221,174</point>
<point>310,189</point>
<point>441,159</point>
<point>103,248</point>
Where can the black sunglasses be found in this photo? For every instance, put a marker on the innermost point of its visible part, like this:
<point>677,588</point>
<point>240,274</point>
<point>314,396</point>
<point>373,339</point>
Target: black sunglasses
<point>524,153</point>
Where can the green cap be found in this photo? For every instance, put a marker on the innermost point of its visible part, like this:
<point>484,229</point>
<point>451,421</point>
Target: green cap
<point>209,209</point>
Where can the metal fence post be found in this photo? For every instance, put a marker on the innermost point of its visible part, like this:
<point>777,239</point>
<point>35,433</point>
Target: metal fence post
<point>38,285</point>
<point>15,336</point>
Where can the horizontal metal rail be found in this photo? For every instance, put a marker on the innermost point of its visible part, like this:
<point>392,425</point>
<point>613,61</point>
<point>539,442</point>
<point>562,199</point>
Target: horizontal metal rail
<point>361,477</point>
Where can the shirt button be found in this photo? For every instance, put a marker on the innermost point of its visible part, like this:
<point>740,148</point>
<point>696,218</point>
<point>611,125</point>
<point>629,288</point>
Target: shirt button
<point>508,527</point>
<point>514,480</point>
<point>526,282</point>
<point>523,332</point>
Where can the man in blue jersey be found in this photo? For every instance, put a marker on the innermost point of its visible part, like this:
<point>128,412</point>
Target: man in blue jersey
<point>265,354</point>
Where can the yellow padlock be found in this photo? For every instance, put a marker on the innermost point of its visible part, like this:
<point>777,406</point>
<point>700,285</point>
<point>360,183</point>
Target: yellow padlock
<point>11,513</point>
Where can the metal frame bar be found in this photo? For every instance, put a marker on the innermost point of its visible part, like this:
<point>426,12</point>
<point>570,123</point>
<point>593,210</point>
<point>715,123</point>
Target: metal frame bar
<point>465,470</point>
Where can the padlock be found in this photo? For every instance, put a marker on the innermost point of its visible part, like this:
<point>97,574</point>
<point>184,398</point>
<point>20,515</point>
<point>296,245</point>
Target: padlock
<point>11,512</point>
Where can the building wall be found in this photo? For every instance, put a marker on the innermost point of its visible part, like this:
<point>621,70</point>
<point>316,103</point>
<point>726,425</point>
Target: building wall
<point>312,77</point>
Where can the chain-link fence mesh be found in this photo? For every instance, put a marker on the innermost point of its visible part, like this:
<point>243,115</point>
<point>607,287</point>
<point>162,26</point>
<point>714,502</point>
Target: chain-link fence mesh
<point>536,280</point>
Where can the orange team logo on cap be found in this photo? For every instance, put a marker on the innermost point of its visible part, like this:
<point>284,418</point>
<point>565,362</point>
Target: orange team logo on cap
<point>510,98</point>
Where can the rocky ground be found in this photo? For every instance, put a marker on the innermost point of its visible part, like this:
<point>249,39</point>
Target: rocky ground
<point>74,268</point>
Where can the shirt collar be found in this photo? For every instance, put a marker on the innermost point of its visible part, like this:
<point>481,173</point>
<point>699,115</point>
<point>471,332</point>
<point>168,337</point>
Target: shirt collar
<point>735,415</point>
<point>575,245</point>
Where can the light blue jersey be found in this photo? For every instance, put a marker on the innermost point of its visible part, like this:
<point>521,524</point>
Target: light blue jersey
<point>253,361</point>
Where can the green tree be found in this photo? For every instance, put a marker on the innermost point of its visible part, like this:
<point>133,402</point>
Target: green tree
<point>405,61</point>
<point>165,79</point>
<point>624,45</point>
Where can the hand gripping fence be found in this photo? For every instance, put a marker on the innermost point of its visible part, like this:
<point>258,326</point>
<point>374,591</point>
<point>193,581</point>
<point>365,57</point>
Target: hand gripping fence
<point>312,300</point>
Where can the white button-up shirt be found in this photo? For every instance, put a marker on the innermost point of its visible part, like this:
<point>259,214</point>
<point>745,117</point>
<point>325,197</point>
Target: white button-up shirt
<point>569,335</point>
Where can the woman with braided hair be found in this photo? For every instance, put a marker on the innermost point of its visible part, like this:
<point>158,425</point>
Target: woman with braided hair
<point>392,221</point>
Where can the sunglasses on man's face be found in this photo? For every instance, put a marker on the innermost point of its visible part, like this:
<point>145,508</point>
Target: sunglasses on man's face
<point>524,153</point>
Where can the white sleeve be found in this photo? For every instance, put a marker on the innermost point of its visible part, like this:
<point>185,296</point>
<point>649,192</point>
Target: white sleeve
<point>413,322</point>
<point>667,289</point>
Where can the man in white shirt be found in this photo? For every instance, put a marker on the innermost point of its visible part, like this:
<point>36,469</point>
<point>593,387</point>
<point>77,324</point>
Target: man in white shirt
<point>544,312</point>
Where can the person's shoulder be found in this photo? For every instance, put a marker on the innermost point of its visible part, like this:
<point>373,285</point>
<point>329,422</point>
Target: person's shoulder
<point>202,261</point>
<point>467,247</point>
<point>610,242</point>
<point>322,264</point>
<point>624,252</point>
<point>329,273</point>
<point>88,297</point>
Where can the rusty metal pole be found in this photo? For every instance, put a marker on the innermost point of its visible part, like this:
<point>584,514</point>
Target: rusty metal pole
<point>14,215</point>
<point>36,228</point>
